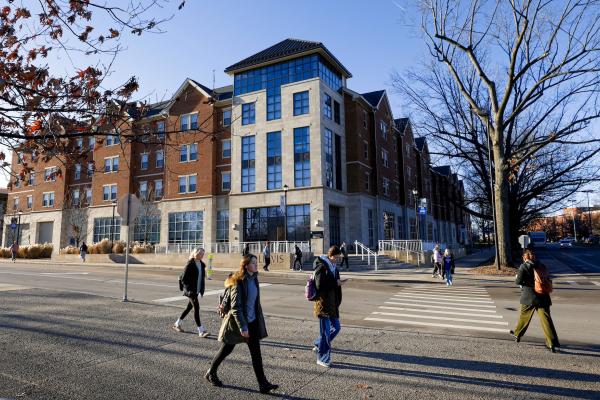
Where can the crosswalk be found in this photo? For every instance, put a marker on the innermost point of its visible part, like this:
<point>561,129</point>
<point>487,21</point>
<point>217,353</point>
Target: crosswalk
<point>206,293</point>
<point>463,308</point>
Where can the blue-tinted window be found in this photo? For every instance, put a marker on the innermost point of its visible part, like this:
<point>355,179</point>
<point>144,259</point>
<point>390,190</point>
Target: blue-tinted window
<point>301,103</point>
<point>328,158</point>
<point>301,157</point>
<point>298,222</point>
<point>186,227</point>
<point>248,114</point>
<point>248,171</point>
<point>227,117</point>
<point>327,106</point>
<point>273,103</point>
<point>273,160</point>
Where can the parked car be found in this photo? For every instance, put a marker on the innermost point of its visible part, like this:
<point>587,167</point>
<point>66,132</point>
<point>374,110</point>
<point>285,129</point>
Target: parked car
<point>566,242</point>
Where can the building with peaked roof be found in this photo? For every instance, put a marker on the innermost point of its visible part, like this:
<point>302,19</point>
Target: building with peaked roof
<point>286,153</point>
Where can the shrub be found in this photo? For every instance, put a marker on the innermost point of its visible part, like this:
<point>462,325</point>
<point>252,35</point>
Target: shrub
<point>32,251</point>
<point>5,252</point>
<point>46,250</point>
<point>119,247</point>
<point>140,248</point>
<point>69,250</point>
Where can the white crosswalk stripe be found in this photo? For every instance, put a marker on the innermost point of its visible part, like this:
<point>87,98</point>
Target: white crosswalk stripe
<point>206,293</point>
<point>464,308</point>
<point>596,283</point>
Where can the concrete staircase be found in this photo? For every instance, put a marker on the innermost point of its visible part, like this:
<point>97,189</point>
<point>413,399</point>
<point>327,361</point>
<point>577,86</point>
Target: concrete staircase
<point>356,264</point>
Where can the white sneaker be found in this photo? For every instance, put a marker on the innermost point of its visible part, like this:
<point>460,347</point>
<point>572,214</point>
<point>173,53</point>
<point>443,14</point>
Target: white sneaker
<point>202,332</point>
<point>315,349</point>
<point>323,364</point>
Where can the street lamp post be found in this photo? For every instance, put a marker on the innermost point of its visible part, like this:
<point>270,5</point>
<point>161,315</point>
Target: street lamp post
<point>574,215</point>
<point>112,227</point>
<point>19,227</point>
<point>285,190</point>
<point>587,192</point>
<point>416,196</point>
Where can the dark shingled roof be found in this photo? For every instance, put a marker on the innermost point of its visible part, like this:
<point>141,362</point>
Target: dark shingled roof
<point>156,108</point>
<point>285,48</point>
<point>207,90</point>
<point>443,170</point>
<point>401,124</point>
<point>223,93</point>
<point>420,143</point>
<point>373,97</point>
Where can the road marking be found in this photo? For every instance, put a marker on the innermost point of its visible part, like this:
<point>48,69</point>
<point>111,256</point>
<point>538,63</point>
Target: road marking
<point>5,287</point>
<point>596,283</point>
<point>207,293</point>
<point>458,296</point>
<point>468,327</point>
<point>441,287</point>
<point>443,298</point>
<point>445,312</point>
<point>64,273</point>
<point>440,318</point>
<point>572,283</point>
<point>435,305</point>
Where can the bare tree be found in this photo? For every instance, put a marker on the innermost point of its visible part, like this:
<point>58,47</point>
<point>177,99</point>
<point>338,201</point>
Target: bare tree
<point>77,214</point>
<point>524,74</point>
<point>149,215</point>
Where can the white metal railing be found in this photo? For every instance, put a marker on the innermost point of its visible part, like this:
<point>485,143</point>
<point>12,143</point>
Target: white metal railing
<point>233,247</point>
<point>415,247</point>
<point>359,247</point>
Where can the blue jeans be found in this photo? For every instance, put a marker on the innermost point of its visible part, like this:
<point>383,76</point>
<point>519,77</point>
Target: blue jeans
<point>449,275</point>
<point>329,327</point>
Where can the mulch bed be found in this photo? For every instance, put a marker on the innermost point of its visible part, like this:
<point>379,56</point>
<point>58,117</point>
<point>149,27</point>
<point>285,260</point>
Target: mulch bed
<point>490,269</point>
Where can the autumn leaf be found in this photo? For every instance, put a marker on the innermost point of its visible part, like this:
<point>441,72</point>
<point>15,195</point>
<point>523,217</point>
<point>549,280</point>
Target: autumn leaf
<point>113,33</point>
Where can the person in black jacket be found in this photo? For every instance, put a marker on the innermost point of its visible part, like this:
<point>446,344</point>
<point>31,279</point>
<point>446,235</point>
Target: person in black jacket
<point>327,303</point>
<point>193,285</point>
<point>532,301</point>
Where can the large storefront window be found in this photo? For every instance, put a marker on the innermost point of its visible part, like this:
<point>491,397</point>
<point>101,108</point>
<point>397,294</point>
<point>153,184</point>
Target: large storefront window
<point>102,229</point>
<point>186,227</point>
<point>222,225</point>
<point>266,223</point>
<point>388,226</point>
<point>147,229</point>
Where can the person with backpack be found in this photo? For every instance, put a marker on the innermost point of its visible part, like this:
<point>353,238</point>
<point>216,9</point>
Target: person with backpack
<point>534,279</point>
<point>448,263</point>
<point>267,255</point>
<point>243,322</point>
<point>83,251</point>
<point>14,249</point>
<point>436,257</point>
<point>297,259</point>
<point>192,282</point>
<point>344,255</point>
<point>327,303</point>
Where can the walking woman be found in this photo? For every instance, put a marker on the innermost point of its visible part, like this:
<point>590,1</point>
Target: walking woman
<point>243,323</point>
<point>327,304</point>
<point>532,301</point>
<point>193,279</point>
<point>448,261</point>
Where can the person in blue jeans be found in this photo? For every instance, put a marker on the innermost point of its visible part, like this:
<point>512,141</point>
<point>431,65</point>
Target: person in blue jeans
<point>327,303</point>
<point>448,261</point>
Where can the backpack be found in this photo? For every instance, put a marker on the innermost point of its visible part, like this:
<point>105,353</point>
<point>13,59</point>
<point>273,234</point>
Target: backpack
<point>181,282</point>
<point>542,281</point>
<point>310,290</point>
<point>224,304</point>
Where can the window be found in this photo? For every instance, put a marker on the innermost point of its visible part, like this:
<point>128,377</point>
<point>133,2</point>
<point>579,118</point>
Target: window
<point>90,169</point>
<point>31,180</point>
<point>222,225</point>
<point>75,198</point>
<point>107,228</point>
<point>187,184</point>
<point>186,227</point>
<point>88,196</point>
<point>91,142</point>
<point>366,149</point>
<point>20,158</point>
<point>370,230</point>
<point>18,182</point>
<point>384,158</point>
<point>274,103</point>
<point>160,159</point>
<point>226,148</point>
<point>248,114</point>
<point>367,181</point>
<point>328,138</point>
<point>265,223</point>
<point>188,152</point>
<point>160,130</point>
<point>50,174</point>
<point>147,229</point>
<point>79,143</point>
<point>77,172</point>
<point>388,225</point>
<point>298,222</point>
<point>109,192</point>
<point>248,162</point>
<point>48,199</point>
<point>386,186</point>
<point>336,112</point>
<point>16,203</point>
<point>145,134</point>
<point>384,129</point>
<point>327,106</point>
<point>158,189</point>
<point>301,157</point>
<point>401,228</point>
<point>29,202</point>
<point>365,116</point>
<point>407,147</point>
<point>144,161</point>
<point>143,190</point>
<point>111,164</point>
<point>300,103</point>
<point>227,117</point>
<point>189,121</point>
<point>226,180</point>
<point>408,172</point>
<point>112,139</point>
<point>273,160</point>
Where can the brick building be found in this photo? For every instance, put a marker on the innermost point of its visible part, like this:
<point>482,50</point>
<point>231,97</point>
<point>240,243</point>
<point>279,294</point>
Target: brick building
<point>220,165</point>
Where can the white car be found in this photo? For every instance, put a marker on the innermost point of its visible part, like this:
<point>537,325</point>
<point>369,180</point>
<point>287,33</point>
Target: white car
<point>566,242</point>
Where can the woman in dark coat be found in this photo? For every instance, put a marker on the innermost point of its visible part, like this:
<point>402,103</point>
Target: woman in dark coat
<point>327,304</point>
<point>532,301</point>
<point>243,323</point>
<point>193,279</point>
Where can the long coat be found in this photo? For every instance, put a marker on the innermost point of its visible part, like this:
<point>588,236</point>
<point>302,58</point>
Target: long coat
<point>237,317</point>
<point>526,279</point>
<point>329,294</point>
<point>190,279</point>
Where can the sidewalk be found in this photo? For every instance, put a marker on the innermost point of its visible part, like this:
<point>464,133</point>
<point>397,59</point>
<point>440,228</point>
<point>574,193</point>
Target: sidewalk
<point>59,345</point>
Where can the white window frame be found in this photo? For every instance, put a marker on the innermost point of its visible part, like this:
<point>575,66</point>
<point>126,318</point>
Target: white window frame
<point>385,158</point>
<point>112,164</point>
<point>73,192</point>
<point>142,196</point>
<point>79,143</point>
<point>88,200</point>
<point>187,183</point>
<point>223,148</point>
<point>386,186</point>
<point>142,155</point>
<point>77,172</point>
<point>188,152</point>
<point>15,203</point>
<point>230,115</point>
<point>162,189</point>
<point>188,118</point>
<point>91,142</point>
<point>162,158</point>
<point>113,139</point>
<point>365,118</point>
<point>48,177</point>
<point>29,202</point>
<point>90,169</point>
<point>49,202</point>
<point>110,186</point>
<point>223,188</point>
<point>160,133</point>
<point>383,126</point>
<point>366,149</point>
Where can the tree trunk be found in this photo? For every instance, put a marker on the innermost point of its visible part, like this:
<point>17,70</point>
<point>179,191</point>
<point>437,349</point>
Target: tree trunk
<point>501,189</point>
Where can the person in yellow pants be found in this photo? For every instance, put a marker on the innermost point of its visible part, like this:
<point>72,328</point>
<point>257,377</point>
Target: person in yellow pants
<point>532,301</point>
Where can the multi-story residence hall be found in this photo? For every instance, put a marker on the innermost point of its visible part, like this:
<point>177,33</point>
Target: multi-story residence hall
<point>289,134</point>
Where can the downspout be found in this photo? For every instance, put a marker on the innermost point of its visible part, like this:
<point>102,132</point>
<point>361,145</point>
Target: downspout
<point>376,169</point>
